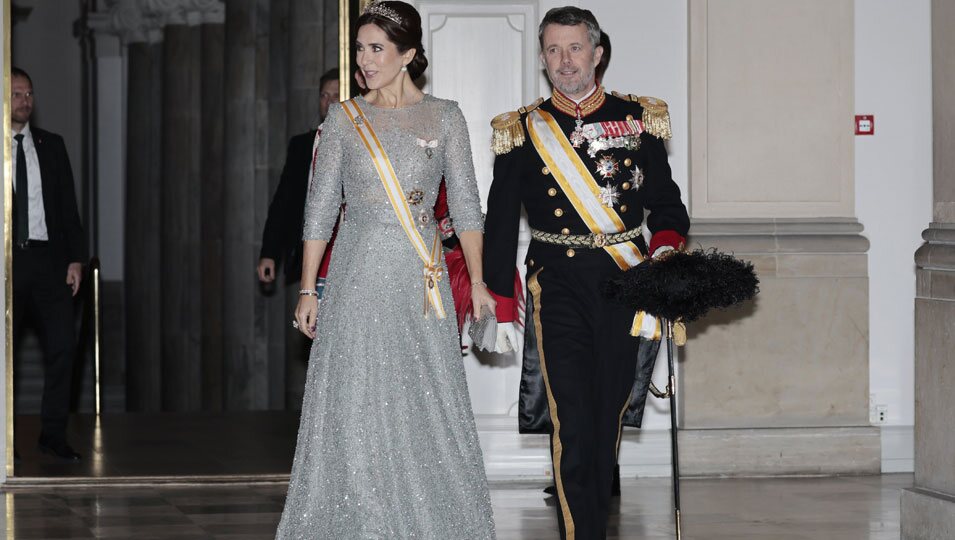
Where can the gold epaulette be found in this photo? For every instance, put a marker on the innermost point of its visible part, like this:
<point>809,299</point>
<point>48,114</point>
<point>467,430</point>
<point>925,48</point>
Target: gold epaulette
<point>509,130</point>
<point>656,116</point>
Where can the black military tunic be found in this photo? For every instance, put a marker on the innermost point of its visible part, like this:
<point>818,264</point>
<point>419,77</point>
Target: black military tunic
<point>578,346</point>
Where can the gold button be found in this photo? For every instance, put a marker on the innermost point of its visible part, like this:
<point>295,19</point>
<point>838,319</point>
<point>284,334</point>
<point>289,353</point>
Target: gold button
<point>627,162</point>
<point>545,171</point>
<point>625,185</point>
<point>552,192</point>
<point>558,212</point>
<point>623,208</point>
<point>571,252</point>
<point>630,117</point>
<point>530,262</point>
<point>565,230</point>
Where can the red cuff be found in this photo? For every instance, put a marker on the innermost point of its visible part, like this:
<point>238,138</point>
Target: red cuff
<point>505,308</point>
<point>667,238</point>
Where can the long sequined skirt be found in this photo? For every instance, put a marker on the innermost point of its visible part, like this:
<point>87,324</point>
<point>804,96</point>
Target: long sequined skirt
<point>387,446</point>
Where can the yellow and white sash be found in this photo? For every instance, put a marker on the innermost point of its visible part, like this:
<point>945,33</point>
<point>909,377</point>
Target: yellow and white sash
<point>432,258</point>
<point>584,193</point>
<point>575,179</point>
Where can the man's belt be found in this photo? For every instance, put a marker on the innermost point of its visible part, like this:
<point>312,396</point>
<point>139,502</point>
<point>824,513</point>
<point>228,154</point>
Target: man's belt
<point>28,244</point>
<point>586,241</point>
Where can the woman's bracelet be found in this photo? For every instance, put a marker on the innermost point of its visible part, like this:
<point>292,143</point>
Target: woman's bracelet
<point>308,292</point>
<point>473,283</point>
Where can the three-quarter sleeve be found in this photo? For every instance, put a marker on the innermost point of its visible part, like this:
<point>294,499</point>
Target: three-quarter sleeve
<point>464,201</point>
<point>324,197</point>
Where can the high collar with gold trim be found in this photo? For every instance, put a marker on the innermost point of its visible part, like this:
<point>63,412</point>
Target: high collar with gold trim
<point>588,106</point>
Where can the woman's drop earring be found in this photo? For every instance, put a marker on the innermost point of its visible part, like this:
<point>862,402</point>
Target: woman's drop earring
<point>404,68</point>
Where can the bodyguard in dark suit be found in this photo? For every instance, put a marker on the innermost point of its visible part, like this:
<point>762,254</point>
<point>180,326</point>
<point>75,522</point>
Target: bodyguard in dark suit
<point>49,248</point>
<point>584,165</point>
<point>282,237</point>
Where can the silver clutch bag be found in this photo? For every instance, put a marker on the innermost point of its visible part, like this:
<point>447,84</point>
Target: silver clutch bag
<point>483,331</point>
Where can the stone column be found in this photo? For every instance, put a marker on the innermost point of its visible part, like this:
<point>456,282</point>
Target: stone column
<point>307,31</point>
<point>212,37</point>
<point>142,261</point>
<point>245,202</point>
<point>771,157</point>
<point>279,309</point>
<point>180,217</point>
<point>173,188</point>
<point>928,509</point>
<point>331,44</point>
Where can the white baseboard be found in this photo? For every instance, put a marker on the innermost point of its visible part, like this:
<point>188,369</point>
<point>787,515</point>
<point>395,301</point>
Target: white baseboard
<point>898,449</point>
<point>509,455</point>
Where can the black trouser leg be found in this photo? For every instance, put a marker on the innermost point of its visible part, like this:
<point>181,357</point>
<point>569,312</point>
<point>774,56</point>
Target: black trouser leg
<point>584,358</point>
<point>21,305</point>
<point>564,347</point>
<point>49,302</point>
<point>616,353</point>
<point>59,345</point>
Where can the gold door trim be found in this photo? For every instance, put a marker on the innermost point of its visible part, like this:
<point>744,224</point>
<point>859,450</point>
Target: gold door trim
<point>7,239</point>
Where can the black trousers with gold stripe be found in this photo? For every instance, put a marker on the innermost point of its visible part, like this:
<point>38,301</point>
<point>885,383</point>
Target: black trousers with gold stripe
<point>588,360</point>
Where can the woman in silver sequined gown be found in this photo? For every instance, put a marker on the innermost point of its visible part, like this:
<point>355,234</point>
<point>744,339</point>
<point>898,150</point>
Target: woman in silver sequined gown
<point>387,446</point>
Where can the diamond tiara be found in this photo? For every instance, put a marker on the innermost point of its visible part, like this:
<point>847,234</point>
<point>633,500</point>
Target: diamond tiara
<point>376,8</point>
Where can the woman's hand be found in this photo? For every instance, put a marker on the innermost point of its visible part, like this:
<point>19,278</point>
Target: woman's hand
<point>481,297</point>
<point>305,314</point>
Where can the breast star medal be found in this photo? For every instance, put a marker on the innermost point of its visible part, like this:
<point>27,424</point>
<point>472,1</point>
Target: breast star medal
<point>609,195</point>
<point>415,196</point>
<point>607,166</point>
<point>637,177</point>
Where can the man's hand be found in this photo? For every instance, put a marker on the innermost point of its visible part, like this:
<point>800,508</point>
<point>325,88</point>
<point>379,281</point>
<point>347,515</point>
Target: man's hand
<point>74,276</point>
<point>506,338</point>
<point>266,270</point>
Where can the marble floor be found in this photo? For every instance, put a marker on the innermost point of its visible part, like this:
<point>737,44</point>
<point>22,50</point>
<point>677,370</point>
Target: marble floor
<point>248,444</point>
<point>844,508</point>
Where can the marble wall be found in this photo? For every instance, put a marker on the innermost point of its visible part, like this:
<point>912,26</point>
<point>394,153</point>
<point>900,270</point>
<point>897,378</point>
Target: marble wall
<point>771,180</point>
<point>928,509</point>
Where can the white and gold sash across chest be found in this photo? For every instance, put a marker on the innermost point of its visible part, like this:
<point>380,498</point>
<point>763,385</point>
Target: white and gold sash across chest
<point>582,189</point>
<point>579,185</point>
<point>431,258</point>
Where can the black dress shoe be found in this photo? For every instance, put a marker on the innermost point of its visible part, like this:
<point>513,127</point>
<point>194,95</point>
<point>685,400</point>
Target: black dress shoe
<point>551,490</point>
<point>61,450</point>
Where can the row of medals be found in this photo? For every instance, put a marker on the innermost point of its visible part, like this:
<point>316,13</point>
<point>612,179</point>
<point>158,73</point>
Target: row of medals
<point>607,168</point>
<point>607,165</point>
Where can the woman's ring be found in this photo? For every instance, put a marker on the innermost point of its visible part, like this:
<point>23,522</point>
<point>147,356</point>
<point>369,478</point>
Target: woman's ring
<point>295,325</point>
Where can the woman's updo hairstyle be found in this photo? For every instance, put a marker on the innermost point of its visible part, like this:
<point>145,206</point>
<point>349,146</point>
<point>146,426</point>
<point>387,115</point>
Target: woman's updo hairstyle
<point>402,24</point>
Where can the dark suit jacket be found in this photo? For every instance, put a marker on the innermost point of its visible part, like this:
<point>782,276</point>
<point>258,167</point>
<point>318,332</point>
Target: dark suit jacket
<point>282,237</point>
<point>66,236</point>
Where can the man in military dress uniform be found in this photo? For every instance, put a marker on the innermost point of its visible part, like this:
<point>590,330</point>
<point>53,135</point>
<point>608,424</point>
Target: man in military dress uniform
<point>585,165</point>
